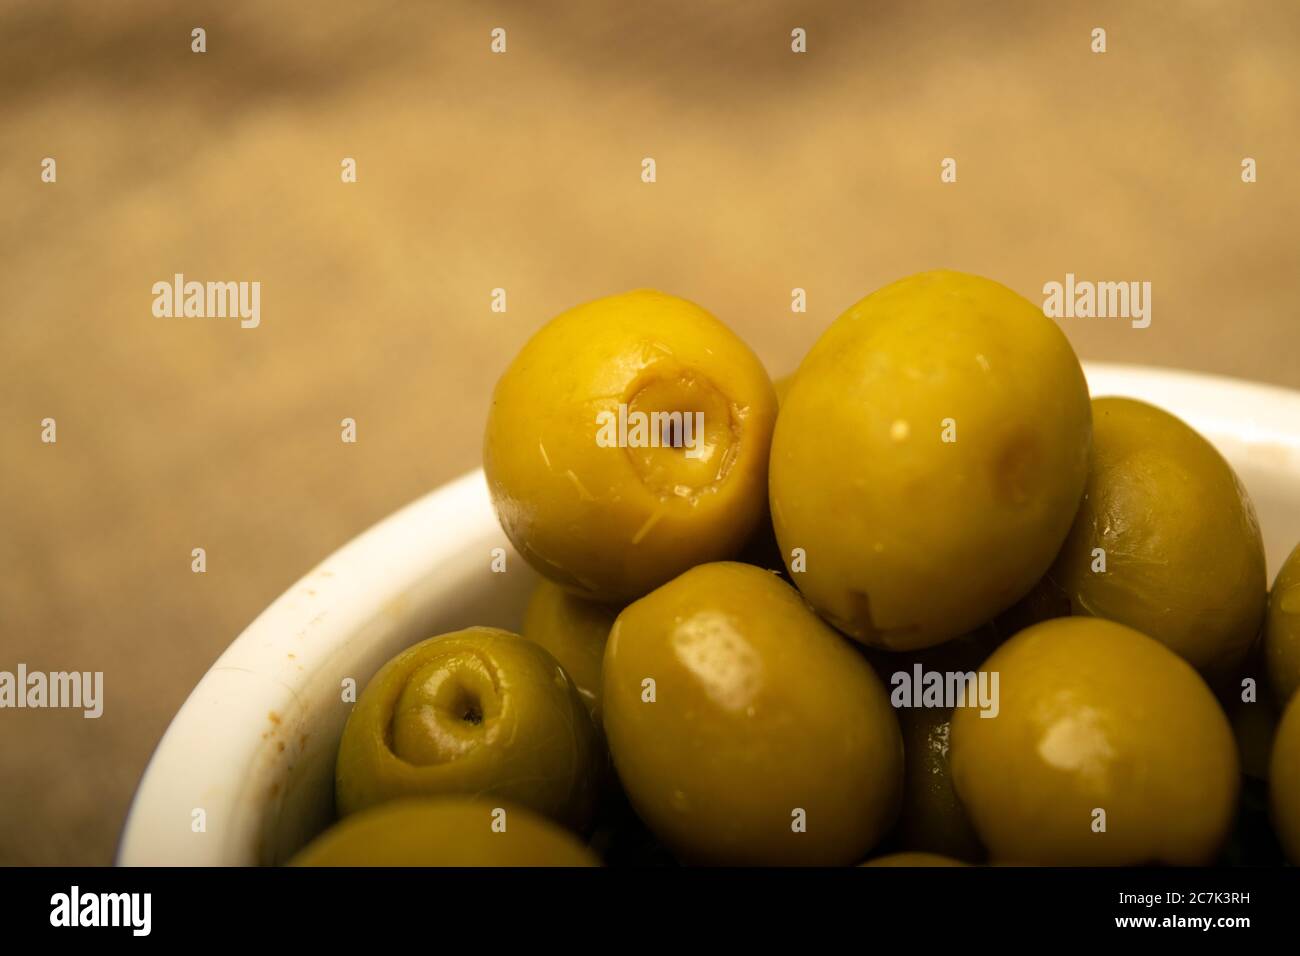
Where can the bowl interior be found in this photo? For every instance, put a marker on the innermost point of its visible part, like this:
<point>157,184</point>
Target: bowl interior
<point>306,805</point>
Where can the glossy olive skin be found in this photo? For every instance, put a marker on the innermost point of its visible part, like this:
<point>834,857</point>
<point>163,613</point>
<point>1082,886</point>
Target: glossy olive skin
<point>479,711</point>
<point>1284,781</point>
<point>1094,715</point>
<point>932,819</point>
<point>449,831</point>
<point>610,523</point>
<point>912,539</point>
<point>760,710</point>
<point>574,631</point>
<point>762,550</point>
<point>1184,556</point>
<point>1282,630</point>
<point>914,859</point>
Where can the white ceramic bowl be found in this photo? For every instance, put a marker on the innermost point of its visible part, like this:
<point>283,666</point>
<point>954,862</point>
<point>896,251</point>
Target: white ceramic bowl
<point>253,747</point>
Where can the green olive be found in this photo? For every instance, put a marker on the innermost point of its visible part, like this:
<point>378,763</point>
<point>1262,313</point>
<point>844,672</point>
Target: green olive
<point>1166,539</point>
<point>762,550</point>
<point>744,730</point>
<point>451,831</point>
<point>479,711</point>
<point>914,859</point>
<point>929,458</point>
<point>1282,630</point>
<point>1107,749</point>
<point>574,631</point>
<point>932,820</point>
<point>595,477</point>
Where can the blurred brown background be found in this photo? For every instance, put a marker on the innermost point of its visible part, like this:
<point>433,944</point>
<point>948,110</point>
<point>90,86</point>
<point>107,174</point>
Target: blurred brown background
<point>522,171</point>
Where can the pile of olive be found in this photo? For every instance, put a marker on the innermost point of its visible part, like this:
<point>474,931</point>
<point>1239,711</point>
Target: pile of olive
<point>751,625</point>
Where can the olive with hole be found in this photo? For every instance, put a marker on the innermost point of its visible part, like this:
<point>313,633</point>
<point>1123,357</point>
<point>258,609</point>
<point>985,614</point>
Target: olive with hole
<point>480,711</point>
<point>627,442</point>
